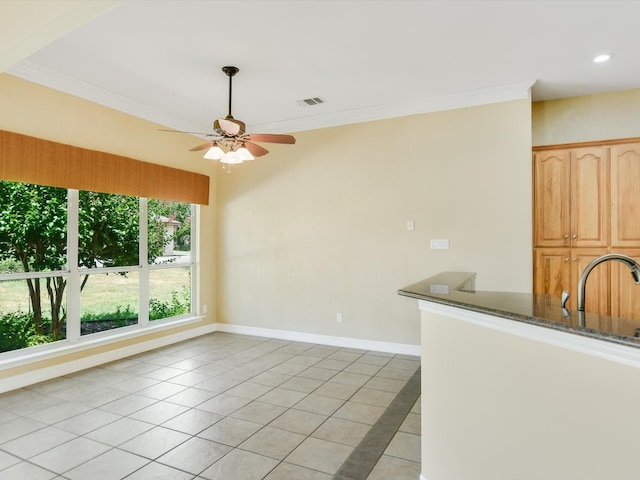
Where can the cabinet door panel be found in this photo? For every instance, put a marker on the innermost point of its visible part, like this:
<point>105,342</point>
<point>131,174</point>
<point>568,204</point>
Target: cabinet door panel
<point>589,197</point>
<point>551,198</point>
<point>625,295</point>
<point>598,283</point>
<point>625,195</point>
<point>552,272</point>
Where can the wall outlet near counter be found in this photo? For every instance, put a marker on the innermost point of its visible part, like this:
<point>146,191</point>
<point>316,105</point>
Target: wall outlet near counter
<point>435,288</point>
<point>439,244</point>
<point>338,317</point>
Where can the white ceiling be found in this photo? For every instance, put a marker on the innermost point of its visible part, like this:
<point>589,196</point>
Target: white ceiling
<point>161,59</point>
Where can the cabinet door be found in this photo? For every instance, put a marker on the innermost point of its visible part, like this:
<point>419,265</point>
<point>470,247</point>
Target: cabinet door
<point>625,195</point>
<point>552,192</point>
<point>598,283</point>
<point>589,197</point>
<point>552,271</point>
<point>625,295</point>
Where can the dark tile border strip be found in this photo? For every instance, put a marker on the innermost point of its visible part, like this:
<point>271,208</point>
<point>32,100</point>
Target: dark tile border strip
<point>364,458</point>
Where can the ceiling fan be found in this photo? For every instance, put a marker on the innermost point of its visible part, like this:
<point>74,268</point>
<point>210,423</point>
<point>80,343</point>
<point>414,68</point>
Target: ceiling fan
<point>230,144</point>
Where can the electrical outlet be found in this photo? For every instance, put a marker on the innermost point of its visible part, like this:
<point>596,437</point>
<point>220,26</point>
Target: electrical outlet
<point>411,225</point>
<point>204,309</point>
<point>339,318</point>
<point>440,244</point>
<point>435,288</point>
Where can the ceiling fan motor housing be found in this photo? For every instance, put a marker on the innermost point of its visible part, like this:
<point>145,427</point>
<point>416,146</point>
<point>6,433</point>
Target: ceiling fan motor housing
<point>220,131</point>
<point>230,71</point>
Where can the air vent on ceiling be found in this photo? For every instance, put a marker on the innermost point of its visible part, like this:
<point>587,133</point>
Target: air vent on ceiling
<point>308,102</point>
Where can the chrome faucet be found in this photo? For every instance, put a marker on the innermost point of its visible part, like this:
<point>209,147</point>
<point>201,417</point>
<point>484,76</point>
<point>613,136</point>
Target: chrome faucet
<point>628,261</point>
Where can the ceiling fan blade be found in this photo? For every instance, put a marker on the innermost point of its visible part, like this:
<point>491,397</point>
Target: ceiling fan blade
<point>182,131</point>
<point>202,147</point>
<point>229,127</point>
<point>270,138</point>
<point>256,150</point>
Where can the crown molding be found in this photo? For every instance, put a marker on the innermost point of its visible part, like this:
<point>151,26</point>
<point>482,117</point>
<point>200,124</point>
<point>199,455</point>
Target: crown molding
<point>46,25</point>
<point>472,98</point>
<point>483,96</point>
<point>49,78</point>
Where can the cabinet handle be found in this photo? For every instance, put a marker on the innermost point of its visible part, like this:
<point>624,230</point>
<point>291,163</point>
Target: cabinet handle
<point>566,236</point>
<point>566,259</point>
<point>574,236</point>
<point>574,259</point>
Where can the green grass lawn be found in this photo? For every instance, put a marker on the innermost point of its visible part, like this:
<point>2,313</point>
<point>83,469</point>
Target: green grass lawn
<point>102,294</point>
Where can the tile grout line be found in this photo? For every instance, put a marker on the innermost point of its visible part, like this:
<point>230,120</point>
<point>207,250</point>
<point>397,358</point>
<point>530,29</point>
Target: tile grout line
<point>187,386</point>
<point>364,458</point>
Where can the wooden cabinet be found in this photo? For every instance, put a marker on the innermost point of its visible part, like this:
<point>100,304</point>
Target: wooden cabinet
<point>552,198</point>
<point>625,195</point>
<point>587,203</point>
<point>571,198</point>
<point>552,270</point>
<point>625,295</point>
<point>558,269</point>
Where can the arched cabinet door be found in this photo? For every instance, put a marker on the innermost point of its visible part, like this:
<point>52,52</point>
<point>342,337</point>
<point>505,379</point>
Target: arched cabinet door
<point>552,198</point>
<point>625,195</point>
<point>571,197</point>
<point>589,197</point>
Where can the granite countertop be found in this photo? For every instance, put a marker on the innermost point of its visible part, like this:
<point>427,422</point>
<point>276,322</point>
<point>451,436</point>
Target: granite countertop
<point>457,289</point>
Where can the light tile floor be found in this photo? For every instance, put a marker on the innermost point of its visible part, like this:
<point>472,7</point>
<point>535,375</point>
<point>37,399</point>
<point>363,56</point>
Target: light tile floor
<point>218,407</point>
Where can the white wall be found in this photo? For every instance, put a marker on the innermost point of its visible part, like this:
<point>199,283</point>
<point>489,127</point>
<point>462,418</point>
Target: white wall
<point>500,407</point>
<point>319,227</point>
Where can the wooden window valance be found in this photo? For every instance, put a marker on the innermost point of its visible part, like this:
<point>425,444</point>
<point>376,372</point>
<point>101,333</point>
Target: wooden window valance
<point>33,160</point>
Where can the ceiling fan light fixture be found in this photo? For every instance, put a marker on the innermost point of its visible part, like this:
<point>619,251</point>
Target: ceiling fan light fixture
<point>214,153</point>
<point>231,158</point>
<point>230,143</point>
<point>245,154</point>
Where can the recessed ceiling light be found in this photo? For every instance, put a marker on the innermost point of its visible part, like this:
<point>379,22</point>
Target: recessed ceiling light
<point>605,57</point>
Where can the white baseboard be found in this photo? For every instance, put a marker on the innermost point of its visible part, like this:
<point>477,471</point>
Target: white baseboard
<point>362,344</point>
<point>47,373</point>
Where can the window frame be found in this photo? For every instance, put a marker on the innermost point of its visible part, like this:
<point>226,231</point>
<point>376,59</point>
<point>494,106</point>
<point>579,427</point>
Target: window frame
<point>73,274</point>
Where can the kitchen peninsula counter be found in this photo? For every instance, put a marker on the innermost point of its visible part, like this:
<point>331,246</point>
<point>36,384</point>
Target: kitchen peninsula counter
<point>514,388</point>
<point>457,289</point>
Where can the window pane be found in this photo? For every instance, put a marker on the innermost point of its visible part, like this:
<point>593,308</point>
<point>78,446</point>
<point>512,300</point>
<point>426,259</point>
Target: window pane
<point>169,292</point>
<point>20,327</point>
<point>169,231</point>
<point>108,301</point>
<point>108,230</point>
<point>33,227</point>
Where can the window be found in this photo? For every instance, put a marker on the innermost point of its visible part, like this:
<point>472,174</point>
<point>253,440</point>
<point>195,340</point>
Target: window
<point>76,263</point>
<point>170,270</point>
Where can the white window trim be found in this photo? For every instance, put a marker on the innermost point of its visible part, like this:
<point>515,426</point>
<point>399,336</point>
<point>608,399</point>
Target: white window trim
<point>74,341</point>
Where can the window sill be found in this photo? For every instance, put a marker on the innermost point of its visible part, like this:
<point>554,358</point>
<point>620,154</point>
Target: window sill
<point>19,358</point>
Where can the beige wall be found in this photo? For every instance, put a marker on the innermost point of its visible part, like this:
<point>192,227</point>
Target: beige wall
<point>587,118</point>
<point>34,110</point>
<point>500,407</point>
<point>319,227</point>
